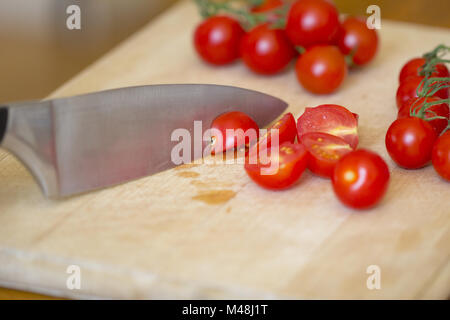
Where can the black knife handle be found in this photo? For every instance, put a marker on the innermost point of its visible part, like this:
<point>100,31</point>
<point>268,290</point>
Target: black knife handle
<point>3,121</point>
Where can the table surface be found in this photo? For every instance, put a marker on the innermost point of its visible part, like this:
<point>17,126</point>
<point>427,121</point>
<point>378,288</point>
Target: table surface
<point>12,294</point>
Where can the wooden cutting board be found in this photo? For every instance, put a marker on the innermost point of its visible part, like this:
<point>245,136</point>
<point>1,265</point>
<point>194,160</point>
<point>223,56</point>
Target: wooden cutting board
<point>206,231</point>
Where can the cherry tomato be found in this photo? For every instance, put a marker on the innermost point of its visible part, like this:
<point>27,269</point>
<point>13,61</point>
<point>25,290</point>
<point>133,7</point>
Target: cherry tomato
<point>233,120</point>
<point>441,156</point>
<point>267,5</point>
<point>312,22</point>
<point>282,169</point>
<point>416,104</point>
<point>408,90</point>
<point>287,132</point>
<point>265,50</point>
<point>321,69</point>
<point>354,35</point>
<point>414,66</point>
<point>217,40</point>
<point>409,142</point>
<point>332,119</point>
<point>360,179</point>
<point>325,150</point>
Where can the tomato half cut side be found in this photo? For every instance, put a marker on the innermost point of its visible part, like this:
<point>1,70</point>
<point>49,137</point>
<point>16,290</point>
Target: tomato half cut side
<point>325,150</point>
<point>332,119</point>
<point>287,132</point>
<point>282,169</point>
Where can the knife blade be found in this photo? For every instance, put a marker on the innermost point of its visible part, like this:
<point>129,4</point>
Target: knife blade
<point>78,144</point>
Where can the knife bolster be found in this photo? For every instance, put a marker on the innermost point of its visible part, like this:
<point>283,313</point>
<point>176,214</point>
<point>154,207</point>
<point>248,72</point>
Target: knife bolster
<point>3,121</point>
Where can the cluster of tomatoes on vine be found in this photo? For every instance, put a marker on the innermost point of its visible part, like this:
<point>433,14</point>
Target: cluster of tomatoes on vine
<point>323,139</point>
<point>421,132</point>
<point>268,34</point>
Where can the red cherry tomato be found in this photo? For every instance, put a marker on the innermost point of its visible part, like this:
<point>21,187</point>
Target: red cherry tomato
<point>287,132</point>
<point>265,50</point>
<point>325,151</point>
<point>321,69</point>
<point>360,179</point>
<point>416,104</point>
<point>332,119</point>
<point>354,35</point>
<point>267,5</point>
<point>414,66</point>
<point>281,170</point>
<point>409,142</point>
<point>441,156</point>
<point>408,90</point>
<point>233,120</point>
<point>217,40</point>
<point>312,22</point>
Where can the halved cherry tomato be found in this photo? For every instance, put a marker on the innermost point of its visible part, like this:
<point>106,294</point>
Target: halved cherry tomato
<point>414,66</point>
<point>355,35</point>
<point>416,104</point>
<point>312,22</point>
<point>441,156</point>
<point>281,170</point>
<point>356,117</point>
<point>408,90</point>
<point>409,142</point>
<point>245,129</point>
<point>325,150</point>
<point>321,69</point>
<point>332,119</point>
<point>266,50</point>
<point>267,5</point>
<point>360,179</point>
<point>287,131</point>
<point>217,40</point>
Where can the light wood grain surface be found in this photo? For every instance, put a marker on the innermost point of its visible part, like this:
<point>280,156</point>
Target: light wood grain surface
<point>206,231</point>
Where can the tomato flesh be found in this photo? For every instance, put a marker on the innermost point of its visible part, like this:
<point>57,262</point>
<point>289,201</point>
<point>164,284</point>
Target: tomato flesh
<point>321,69</point>
<point>354,35</point>
<point>332,119</point>
<point>312,22</point>
<point>238,121</point>
<point>441,156</point>
<point>409,142</point>
<point>414,66</point>
<point>360,179</point>
<point>217,40</point>
<point>266,50</point>
<point>416,104</point>
<point>282,169</point>
<point>287,132</point>
<point>325,150</point>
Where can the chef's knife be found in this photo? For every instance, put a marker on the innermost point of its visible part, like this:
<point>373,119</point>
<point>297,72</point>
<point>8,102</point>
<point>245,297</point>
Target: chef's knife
<point>73,145</point>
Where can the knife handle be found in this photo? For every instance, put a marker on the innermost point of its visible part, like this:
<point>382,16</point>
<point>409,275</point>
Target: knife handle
<point>3,121</point>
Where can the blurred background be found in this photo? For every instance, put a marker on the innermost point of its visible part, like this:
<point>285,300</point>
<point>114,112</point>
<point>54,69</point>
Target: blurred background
<point>38,53</point>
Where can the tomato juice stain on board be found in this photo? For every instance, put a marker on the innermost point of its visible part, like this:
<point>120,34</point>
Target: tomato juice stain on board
<point>186,166</point>
<point>215,197</point>
<point>188,174</point>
